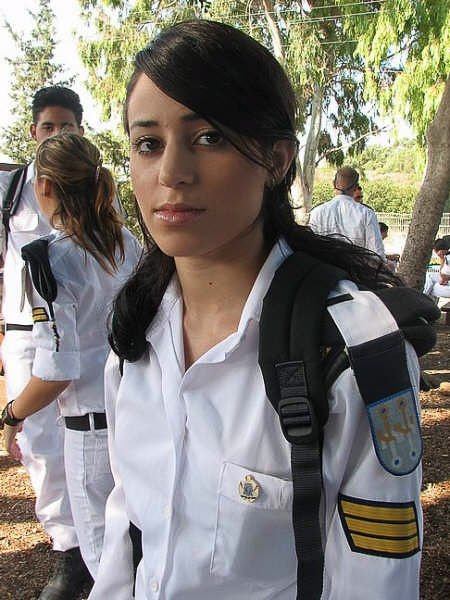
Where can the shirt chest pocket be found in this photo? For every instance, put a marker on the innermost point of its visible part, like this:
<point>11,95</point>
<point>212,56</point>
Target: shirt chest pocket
<point>25,221</point>
<point>254,537</point>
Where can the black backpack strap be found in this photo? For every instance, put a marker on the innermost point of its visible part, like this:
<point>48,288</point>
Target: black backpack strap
<point>290,358</point>
<point>35,255</point>
<point>12,197</point>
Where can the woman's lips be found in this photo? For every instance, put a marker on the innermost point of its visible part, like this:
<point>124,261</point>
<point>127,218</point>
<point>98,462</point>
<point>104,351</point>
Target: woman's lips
<point>177,213</point>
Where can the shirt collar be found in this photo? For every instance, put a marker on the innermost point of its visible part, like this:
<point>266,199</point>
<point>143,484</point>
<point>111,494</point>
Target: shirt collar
<point>344,197</point>
<point>30,172</point>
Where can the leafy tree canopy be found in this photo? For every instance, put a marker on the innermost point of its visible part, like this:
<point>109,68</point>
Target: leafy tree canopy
<point>405,46</point>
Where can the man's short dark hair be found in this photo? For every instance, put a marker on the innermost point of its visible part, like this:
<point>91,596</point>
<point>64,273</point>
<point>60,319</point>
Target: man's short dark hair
<point>56,95</point>
<point>383,227</point>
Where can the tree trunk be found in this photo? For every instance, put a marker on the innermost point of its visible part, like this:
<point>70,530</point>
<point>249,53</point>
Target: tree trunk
<point>303,187</point>
<point>431,198</point>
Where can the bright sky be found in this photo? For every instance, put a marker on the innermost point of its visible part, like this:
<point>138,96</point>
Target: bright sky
<point>67,22</point>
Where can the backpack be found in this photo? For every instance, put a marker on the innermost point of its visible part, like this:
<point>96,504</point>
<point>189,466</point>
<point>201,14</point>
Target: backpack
<point>298,373</point>
<point>12,197</point>
<point>298,370</point>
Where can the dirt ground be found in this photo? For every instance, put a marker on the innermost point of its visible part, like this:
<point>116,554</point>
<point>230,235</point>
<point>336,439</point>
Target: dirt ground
<point>25,556</point>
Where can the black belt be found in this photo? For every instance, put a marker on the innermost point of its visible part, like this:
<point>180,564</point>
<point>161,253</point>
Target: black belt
<point>82,423</point>
<point>17,327</point>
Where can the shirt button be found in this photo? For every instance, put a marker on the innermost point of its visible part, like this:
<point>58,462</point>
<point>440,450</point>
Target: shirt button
<point>154,585</point>
<point>168,511</point>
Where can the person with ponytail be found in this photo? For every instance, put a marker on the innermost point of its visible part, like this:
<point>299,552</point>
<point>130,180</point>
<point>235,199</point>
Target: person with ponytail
<point>90,255</point>
<point>202,501</point>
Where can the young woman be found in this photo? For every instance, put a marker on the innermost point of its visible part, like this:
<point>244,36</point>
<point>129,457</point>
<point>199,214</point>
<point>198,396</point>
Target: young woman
<point>203,484</point>
<point>91,255</point>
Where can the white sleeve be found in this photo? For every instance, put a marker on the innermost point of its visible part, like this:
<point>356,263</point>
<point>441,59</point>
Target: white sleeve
<point>374,240</point>
<point>115,577</point>
<point>373,525</point>
<point>57,343</point>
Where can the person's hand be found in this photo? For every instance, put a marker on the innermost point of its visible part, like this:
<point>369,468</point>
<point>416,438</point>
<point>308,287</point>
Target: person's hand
<point>10,441</point>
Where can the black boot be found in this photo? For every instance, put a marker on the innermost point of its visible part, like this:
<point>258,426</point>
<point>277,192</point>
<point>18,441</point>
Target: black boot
<point>70,577</point>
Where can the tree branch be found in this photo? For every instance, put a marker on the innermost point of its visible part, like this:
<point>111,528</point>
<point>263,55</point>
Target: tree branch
<point>350,144</point>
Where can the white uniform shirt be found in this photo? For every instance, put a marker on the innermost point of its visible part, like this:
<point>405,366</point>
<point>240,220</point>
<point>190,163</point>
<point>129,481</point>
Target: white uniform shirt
<point>26,225</point>
<point>181,443</point>
<point>345,217</point>
<point>82,306</point>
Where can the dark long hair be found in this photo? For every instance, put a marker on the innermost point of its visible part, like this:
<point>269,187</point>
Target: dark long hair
<point>237,85</point>
<point>85,191</point>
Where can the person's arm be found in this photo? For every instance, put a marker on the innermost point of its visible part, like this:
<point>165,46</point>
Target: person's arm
<point>115,577</point>
<point>444,270</point>
<point>56,362</point>
<point>373,525</point>
<point>36,395</point>
<point>373,237</point>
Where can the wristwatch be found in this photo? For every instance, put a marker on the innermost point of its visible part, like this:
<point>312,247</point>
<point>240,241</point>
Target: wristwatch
<point>8,418</point>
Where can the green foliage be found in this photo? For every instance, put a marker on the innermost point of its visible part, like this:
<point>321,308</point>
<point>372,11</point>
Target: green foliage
<point>403,157</point>
<point>406,49</point>
<point>33,68</point>
<point>386,196</point>
<point>323,191</point>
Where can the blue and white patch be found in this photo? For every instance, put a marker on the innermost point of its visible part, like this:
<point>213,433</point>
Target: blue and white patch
<point>396,432</point>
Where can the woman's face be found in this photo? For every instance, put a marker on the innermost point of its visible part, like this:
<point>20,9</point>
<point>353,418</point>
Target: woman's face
<point>197,194</point>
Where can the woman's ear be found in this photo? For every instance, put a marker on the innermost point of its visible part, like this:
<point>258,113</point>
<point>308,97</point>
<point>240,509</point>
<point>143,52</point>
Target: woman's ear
<point>43,187</point>
<point>283,153</point>
<point>47,187</point>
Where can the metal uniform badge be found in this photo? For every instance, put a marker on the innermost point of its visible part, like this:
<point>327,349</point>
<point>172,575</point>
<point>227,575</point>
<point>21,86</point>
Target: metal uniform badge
<point>249,489</point>
<point>396,432</point>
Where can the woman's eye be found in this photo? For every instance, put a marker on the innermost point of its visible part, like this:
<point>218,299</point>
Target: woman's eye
<point>146,145</point>
<point>209,138</point>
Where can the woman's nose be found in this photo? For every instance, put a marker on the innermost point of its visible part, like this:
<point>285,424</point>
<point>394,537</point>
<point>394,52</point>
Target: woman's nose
<point>177,166</point>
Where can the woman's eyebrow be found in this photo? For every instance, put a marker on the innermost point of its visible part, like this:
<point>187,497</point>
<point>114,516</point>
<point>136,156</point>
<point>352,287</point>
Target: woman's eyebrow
<point>188,117</point>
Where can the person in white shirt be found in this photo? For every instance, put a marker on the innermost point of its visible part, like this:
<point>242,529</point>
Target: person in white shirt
<point>347,217</point>
<point>90,255</point>
<point>54,109</point>
<point>437,285</point>
<point>202,502</point>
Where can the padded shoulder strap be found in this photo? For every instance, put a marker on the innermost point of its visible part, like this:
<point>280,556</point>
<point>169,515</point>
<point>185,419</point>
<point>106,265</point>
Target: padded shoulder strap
<point>413,312</point>
<point>36,255</point>
<point>291,324</point>
<point>12,196</point>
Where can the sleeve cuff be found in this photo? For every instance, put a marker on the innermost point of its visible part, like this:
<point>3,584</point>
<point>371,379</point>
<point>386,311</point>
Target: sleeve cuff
<point>56,366</point>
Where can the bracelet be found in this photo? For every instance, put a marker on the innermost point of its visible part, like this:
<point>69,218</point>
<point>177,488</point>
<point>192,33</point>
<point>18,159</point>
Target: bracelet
<point>8,417</point>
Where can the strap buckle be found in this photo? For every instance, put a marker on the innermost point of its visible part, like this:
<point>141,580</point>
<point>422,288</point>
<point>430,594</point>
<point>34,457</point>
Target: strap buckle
<point>298,420</point>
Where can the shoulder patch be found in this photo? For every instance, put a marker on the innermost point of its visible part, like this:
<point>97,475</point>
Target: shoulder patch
<point>388,529</point>
<point>395,427</point>
<point>40,315</point>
